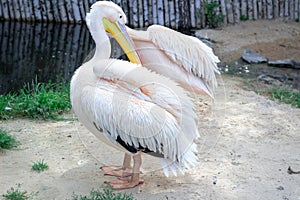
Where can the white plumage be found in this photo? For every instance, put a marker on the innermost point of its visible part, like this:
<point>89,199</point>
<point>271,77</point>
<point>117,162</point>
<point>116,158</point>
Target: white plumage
<point>183,58</point>
<point>136,109</point>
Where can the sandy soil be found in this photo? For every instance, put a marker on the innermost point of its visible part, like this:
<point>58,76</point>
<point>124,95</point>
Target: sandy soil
<point>273,39</point>
<point>247,144</point>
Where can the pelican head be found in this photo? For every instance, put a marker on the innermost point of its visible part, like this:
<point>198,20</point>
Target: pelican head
<point>109,17</point>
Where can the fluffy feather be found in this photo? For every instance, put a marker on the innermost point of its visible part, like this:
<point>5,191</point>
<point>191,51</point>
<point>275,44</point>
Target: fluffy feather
<point>185,59</point>
<point>159,116</point>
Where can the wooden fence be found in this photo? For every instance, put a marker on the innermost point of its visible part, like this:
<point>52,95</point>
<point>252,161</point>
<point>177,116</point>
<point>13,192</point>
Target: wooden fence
<point>43,51</point>
<point>142,13</point>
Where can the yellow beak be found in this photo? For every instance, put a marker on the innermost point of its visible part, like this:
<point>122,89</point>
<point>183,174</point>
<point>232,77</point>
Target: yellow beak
<point>118,31</point>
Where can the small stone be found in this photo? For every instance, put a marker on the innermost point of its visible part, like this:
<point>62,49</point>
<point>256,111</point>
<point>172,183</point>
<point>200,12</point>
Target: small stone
<point>7,108</point>
<point>280,188</point>
<point>287,63</point>
<point>252,57</point>
<point>214,180</point>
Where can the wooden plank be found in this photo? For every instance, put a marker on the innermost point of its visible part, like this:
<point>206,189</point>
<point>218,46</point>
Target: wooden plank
<point>22,6</point>
<point>281,8</point>
<point>275,9</point>
<point>62,11</point>
<point>145,13</point>
<point>236,10</point>
<point>150,12</point>
<point>292,9</point>
<point>192,13</point>
<point>259,9</point>
<point>86,8</point>
<point>224,11</point>
<point>264,9</point>
<point>166,13</point>
<point>16,9</point>
<point>198,13</point>
<point>229,10</point>
<point>55,9</point>
<point>44,14</point>
<point>296,14</point>
<point>172,14</point>
<point>1,12</point>
<point>250,9</point>
<point>124,7</point>
<point>37,10</point>
<point>130,13</point>
<point>176,5</point>
<point>286,9</point>
<point>50,11</point>
<point>81,10</point>
<point>270,9</point>
<point>255,15</point>
<point>160,12</point>
<point>28,10</point>
<point>154,11</point>
<point>76,11</point>
<point>69,11</point>
<point>11,11</point>
<point>134,10</point>
<point>141,13</point>
<point>244,12</point>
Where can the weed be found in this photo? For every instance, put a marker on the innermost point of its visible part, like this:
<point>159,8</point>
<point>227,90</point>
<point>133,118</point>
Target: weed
<point>6,141</point>
<point>107,194</point>
<point>36,100</point>
<point>213,19</point>
<point>39,166</point>
<point>244,18</point>
<point>17,194</point>
<point>286,96</point>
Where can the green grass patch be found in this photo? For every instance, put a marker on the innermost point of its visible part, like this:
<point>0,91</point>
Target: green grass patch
<point>6,141</point>
<point>286,96</point>
<point>36,100</point>
<point>106,194</point>
<point>17,194</point>
<point>244,18</point>
<point>39,166</point>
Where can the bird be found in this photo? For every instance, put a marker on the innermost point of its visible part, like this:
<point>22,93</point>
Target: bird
<point>133,108</point>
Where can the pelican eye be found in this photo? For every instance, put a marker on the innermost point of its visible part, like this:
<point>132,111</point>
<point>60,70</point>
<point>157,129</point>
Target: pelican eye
<point>120,16</point>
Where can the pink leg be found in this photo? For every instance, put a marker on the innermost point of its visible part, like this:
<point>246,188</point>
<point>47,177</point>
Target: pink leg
<point>119,171</point>
<point>133,180</point>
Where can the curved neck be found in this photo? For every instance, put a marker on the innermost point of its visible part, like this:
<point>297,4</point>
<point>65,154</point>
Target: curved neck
<point>103,47</point>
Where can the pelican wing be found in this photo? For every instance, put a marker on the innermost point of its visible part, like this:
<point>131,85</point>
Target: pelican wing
<point>187,51</point>
<point>143,111</point>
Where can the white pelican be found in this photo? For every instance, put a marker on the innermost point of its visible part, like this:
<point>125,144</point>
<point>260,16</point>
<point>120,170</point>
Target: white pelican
<point>131,108</point>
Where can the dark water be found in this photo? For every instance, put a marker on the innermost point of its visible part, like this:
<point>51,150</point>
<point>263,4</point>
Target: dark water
<point>42,52</point>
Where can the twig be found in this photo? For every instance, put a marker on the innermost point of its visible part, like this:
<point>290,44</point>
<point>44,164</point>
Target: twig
<point>290,171</point>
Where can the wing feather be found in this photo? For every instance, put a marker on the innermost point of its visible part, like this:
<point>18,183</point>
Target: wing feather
<point>187,51</point>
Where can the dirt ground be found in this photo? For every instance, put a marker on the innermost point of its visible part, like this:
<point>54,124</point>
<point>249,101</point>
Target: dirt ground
<point>247,141</point>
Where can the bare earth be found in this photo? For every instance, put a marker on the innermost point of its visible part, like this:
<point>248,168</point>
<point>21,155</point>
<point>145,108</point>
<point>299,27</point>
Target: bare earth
<point>247,144</point>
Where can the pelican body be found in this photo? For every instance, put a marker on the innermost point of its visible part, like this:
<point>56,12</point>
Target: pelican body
<point>133,108</point>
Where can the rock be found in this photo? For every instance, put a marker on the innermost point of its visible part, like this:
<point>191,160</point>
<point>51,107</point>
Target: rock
<point>214,180</point>
<point>275,79</point>
<point>209,42</point>
<point>280,188</point>
<point>252,57</point>
<point>287,63</point>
